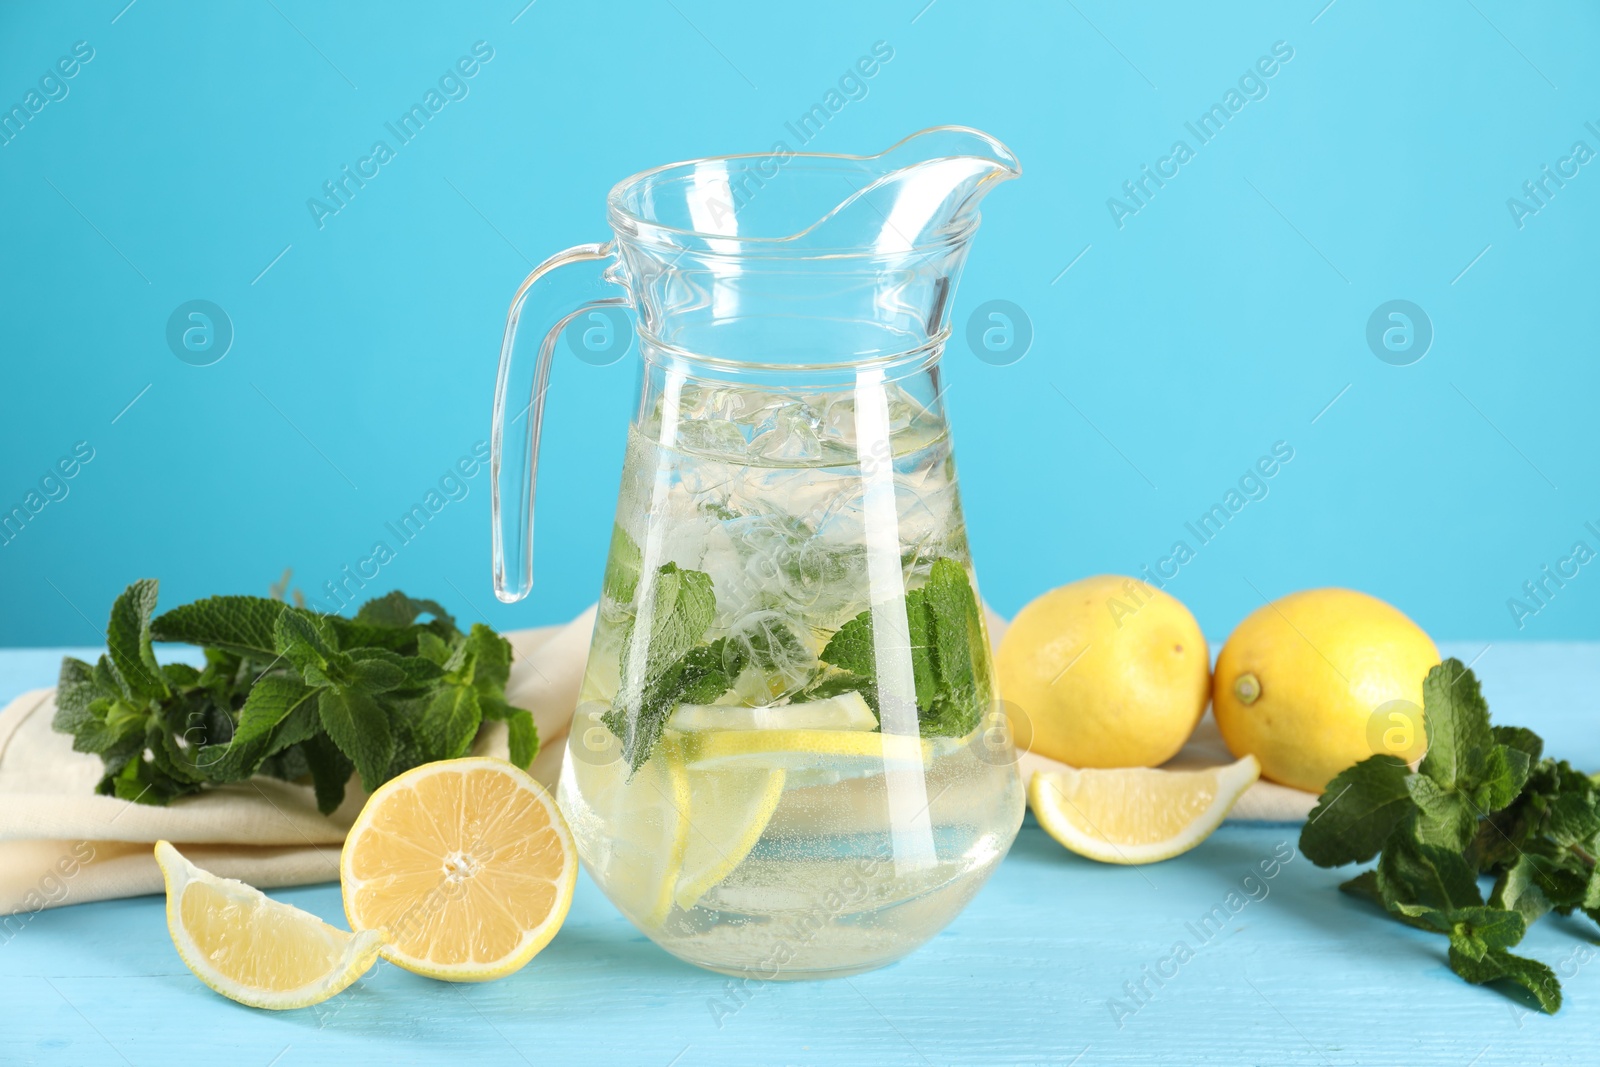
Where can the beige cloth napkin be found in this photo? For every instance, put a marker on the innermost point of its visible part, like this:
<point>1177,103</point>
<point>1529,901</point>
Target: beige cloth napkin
<point>62,844</point>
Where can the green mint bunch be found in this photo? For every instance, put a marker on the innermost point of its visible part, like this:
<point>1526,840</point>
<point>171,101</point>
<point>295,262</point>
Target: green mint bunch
<point>284,692</point>
<point>1482,803</point>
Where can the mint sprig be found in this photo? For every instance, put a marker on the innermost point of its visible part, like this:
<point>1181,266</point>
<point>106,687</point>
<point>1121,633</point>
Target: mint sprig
<point>949,666</point>
<point>1482,802</point>
<point>284,692</point>
<point>676,668</point>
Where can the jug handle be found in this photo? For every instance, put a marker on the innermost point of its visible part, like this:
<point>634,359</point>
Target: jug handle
<point>577,279</point>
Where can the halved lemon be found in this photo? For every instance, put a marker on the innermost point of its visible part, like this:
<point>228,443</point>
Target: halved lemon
<point>1137,814</point>
<point>253,949</point>
<point>466,862</point>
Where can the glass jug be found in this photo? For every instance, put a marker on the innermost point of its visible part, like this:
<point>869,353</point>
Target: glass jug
<point>787,760</point>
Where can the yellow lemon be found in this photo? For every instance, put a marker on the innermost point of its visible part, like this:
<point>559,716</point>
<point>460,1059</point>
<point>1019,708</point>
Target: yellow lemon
<point>1109,671</point>
<point>1320,680</point>
<point>467,863</point>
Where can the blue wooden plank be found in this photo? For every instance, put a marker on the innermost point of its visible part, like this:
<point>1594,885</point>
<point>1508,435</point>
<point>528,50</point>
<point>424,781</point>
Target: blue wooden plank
<point>1036,971</point>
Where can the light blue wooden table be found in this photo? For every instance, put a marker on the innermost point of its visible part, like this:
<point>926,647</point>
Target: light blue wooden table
<point>1304,975</point>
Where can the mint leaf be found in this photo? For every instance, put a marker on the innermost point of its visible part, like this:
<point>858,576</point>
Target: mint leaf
<point>179,675</point>
<point>330,770</point>
<point>375,670</point>
<point>1497,965</point>
<point>921,628</point>
<point>1518,889</point>
<point>242,624</point>
<point>1363,885</point>
<point>483,660</point>
<point>1520,738</point>
<point>523,737</point>
<point>698,677</point>
<point>75,691</point>
<point>851,647</point>
<point>836,683</point>
<point>961,655</point>
<point>678,614</point>
<point>432,647</point>
<point>623,565</point>
<point>1466,773</point>
<point>128,638</point>
<point>361,729</point>
<point>1445,818</point>
<point>1486,929</point>
<point>1356,814</point>
<point>524,733</point>
<point>1456,718</point>
<point>270,702</point>
<point>1570,806</point>
<point>308,647</point>
<point>1413,873</point>
<point>397,611</point>
<point>680,608</point>
<point>1504,775</point>
<point>451,721</point>
<point>1474,930</point>
<point>413,671</point>
<point>949,659</point>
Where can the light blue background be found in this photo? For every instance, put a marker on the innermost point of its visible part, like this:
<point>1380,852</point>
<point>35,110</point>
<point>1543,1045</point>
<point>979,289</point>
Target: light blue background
<point>1223,317</point>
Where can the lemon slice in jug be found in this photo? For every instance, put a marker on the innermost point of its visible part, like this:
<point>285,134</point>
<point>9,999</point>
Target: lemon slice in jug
<point>646,816</point>
<point>847,711</point>
<point>728,812</point>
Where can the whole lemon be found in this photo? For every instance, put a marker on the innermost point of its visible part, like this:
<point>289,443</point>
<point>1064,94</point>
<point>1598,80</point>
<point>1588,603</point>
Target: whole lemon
<point>1109,671</point>
<point>1320,680</point>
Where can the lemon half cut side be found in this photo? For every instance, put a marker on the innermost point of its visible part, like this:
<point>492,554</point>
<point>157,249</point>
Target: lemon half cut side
<point>466,862</point>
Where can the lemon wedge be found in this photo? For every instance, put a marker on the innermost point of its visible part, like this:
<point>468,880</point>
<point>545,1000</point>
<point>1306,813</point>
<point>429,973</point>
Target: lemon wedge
<point>1137,814</point>
<point>253,949</point>
<point>466,862</point>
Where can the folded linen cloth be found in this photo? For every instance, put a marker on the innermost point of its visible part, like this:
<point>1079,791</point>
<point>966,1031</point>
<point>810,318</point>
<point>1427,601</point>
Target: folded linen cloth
<point>60,843</point>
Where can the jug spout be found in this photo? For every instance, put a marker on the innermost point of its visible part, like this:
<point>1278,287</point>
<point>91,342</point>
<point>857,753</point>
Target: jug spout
<point>919,191</point>
<point>922,191</point>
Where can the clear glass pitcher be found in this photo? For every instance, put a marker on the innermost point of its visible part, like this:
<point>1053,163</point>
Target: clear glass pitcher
<point>787,761</point>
